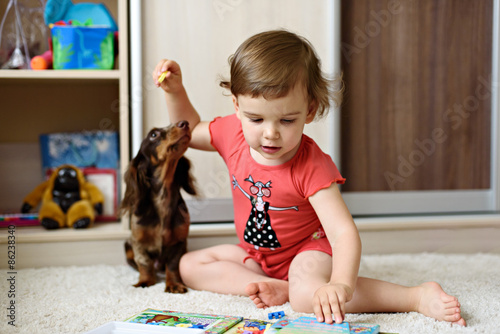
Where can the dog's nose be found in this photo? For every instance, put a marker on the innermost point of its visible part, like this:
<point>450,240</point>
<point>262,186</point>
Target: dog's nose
<point>183,124</point>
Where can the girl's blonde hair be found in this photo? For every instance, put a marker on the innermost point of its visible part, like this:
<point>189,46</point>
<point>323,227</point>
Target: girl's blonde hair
<point>270,63</point>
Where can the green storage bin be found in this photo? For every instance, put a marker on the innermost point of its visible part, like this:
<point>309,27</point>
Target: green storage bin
<point>82,47</point>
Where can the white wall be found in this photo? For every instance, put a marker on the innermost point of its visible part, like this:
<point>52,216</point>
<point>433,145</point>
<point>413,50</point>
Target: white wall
<point>200,35</point>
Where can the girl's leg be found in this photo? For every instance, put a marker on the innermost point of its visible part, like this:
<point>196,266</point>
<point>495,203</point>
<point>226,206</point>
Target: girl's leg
<point>311,269</point>
<point>428,298</point>
<point>221,269</point>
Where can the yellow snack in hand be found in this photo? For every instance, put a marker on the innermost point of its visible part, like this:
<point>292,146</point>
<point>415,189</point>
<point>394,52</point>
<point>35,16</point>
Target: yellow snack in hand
<point>162,76</point>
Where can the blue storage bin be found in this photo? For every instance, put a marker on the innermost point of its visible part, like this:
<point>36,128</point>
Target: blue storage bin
<point>82,47</point>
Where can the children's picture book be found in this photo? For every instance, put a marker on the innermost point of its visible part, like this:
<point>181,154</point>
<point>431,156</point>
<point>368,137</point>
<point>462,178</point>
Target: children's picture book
<point>210,323</point>
<point>250,325</point>
<point>305,325</point>
<point>309,325</point>
<point>119,327</point>
<point>162,321</point>
<point>365,328</point>
<point>283,322</point>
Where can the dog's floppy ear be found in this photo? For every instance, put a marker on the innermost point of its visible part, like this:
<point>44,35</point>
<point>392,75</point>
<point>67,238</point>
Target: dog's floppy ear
<point>184,177</point>
<point>137,184</point>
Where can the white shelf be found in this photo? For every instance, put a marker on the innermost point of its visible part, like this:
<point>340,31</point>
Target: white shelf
<point>38,234</point>
<point>60,74</point>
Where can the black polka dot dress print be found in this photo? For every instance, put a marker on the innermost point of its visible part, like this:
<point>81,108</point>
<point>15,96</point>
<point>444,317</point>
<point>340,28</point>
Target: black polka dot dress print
<point>258,231</point>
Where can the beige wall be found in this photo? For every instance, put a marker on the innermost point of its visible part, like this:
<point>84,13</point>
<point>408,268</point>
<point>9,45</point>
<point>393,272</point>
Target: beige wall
<point>200,35</point>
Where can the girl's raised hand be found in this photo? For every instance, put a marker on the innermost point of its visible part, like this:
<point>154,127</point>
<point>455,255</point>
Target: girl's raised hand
<point>167,75</point>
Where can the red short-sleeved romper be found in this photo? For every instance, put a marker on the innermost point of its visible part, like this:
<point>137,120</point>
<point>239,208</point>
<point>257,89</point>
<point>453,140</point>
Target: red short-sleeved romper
<point>273,217</point>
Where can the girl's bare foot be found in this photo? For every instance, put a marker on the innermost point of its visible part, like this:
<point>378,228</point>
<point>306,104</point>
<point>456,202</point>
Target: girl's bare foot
<point>435,303</point>
<point>269,293</point>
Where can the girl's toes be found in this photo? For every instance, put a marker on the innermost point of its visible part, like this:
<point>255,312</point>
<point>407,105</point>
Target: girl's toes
<point>452,317</point>
<point>452,305</point>
<point>447,298</point>
<point>460,322</point>
<point>258,302</point>
<point>261,305</point>
<point>452,311</point>
<point>252,289</point>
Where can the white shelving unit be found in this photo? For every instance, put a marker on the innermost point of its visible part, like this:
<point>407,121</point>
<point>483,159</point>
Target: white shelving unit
<point>61,75</point>
<point>36,102</point>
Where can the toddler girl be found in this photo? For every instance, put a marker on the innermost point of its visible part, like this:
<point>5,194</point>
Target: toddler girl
<point>298,241</point>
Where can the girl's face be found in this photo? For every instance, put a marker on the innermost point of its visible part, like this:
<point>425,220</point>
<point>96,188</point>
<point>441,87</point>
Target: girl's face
<point>273,128</point>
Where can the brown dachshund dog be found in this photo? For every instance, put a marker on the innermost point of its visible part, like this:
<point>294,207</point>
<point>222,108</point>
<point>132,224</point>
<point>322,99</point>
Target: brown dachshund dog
<point>159,216</point>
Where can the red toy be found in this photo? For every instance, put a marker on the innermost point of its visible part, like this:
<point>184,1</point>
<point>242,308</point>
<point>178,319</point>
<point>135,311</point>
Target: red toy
<point>43,61</point>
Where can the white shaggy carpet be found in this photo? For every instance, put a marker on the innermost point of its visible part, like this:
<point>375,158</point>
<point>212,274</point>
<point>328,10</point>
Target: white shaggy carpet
<point>78,299</point>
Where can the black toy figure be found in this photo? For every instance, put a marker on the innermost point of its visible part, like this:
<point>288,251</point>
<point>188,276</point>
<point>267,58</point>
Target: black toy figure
<point>67,199</point>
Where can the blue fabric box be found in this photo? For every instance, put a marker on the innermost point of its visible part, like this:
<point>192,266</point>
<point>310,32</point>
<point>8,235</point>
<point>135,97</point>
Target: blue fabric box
<point>81,47</point>
<point>99,149</point>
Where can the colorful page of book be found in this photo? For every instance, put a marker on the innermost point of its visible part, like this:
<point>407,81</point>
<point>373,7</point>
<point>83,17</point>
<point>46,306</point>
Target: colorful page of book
<point>249,324</point>
<point>283,322</point>
<point>309,325</point>
<point>211,323</point>
<point>364,328</point>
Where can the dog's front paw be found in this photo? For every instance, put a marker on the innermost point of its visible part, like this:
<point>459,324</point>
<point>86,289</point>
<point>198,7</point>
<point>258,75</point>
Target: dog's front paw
<point>144,284</point>
<point>175,288</point>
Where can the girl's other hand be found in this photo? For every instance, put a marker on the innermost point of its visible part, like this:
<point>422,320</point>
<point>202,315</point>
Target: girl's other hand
<point>173,78</point>
<point>329,302</point>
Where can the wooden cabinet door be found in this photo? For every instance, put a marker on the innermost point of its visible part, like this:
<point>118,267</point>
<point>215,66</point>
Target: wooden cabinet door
<point>417,115</point>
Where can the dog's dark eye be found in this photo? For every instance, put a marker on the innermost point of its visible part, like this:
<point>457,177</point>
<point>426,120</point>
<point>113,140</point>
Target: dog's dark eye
<point>153,135</point>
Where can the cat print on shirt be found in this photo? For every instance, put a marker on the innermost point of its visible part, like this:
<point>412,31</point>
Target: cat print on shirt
<point>258,230</point>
